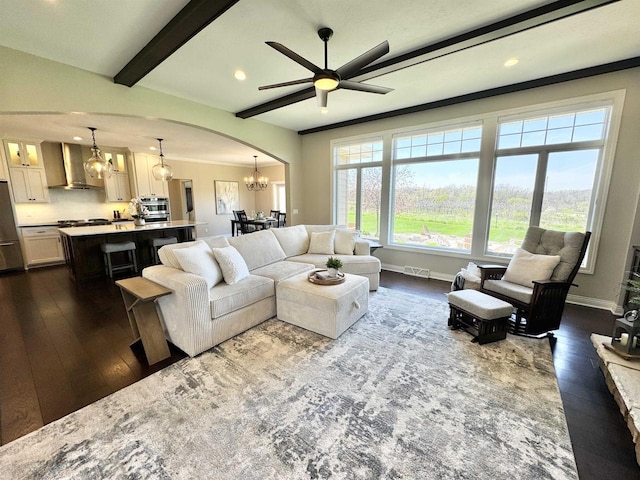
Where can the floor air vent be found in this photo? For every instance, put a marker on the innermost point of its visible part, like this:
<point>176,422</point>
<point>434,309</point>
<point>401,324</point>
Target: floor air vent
<point>416,271</point>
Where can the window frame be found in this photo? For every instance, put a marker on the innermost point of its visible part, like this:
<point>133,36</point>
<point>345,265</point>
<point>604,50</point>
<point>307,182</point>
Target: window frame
<point>614,102</point>
<point>358,167</point>
<point>489,152</point>
<point>445,157</point>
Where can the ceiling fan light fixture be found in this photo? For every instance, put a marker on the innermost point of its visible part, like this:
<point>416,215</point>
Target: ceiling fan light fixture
<point>96,166</point>
<point>326,81</point>
<point>162,171</point>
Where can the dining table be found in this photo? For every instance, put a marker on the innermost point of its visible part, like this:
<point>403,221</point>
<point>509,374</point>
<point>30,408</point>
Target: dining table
<point>261,224</point>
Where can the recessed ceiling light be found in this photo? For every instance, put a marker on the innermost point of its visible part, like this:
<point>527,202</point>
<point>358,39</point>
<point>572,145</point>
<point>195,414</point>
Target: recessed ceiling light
<point>77,138</point>
<point>152,148</point>
<point>511,62</point>
<point>240,75</point>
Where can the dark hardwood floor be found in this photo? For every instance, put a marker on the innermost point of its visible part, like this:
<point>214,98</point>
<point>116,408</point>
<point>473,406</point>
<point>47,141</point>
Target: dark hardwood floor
<point>64,346</point>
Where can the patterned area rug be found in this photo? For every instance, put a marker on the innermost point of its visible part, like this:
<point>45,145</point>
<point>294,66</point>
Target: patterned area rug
<point>398,395</point>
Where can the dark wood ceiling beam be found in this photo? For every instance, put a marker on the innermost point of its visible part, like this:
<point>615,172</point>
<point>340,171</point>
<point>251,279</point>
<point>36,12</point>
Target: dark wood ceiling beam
<point>633,62</point>
<point>195,16</point>
<point>280,102</point>
<point>504,28</point>
<point>510,26</point>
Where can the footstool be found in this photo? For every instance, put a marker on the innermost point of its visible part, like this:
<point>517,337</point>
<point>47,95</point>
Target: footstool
<point>483,316</point>
<point>325,309</point>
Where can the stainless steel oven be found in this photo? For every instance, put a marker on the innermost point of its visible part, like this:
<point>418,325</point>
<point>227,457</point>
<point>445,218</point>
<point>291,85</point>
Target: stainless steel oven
<point>158,208</point>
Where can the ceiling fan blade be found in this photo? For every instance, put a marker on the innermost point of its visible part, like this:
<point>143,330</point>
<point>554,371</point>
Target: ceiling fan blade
<point>321,96</point>
<point>352,67</point>
<point>286,84</point>
<point>295,57</point>
<point>363,87</point>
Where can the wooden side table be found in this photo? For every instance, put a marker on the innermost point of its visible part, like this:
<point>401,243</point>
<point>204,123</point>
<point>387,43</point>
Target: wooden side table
<point>139,295</point>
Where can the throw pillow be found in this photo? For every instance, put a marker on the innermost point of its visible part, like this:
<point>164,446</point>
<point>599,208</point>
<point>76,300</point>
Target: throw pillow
<point>345,242</point>
<point>233,266</point>
<point>168,259</point>
<point>526,267</point>
<point>322,242</point>
<point>199,260</point>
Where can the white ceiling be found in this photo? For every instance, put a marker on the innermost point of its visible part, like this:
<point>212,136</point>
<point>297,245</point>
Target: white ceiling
<point>103,36</point>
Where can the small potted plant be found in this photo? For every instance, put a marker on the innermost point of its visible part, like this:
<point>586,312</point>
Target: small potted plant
<point>333,265</point>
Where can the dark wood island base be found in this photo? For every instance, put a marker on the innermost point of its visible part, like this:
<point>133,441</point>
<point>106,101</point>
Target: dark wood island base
<point>83,255</point>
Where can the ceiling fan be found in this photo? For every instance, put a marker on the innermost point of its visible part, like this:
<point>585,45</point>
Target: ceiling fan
<point>326,80</point>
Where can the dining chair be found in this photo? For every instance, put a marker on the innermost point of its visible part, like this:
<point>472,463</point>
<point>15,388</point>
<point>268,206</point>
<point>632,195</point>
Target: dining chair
<point>282,219</point>
<point>245,227</point>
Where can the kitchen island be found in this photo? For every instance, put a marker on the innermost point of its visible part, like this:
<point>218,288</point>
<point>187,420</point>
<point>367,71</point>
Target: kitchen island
<point>83,255</point>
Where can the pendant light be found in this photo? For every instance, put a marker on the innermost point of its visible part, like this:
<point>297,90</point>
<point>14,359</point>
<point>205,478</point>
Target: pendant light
<point>96,166</point>
<point>162,171</point>
<point>256,181</point>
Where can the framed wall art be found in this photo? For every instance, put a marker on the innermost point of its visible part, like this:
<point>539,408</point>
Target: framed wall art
<point>226,197</point>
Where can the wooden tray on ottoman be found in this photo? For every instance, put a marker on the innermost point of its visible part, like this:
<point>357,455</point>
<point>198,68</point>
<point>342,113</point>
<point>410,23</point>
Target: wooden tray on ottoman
<point>323,279</point>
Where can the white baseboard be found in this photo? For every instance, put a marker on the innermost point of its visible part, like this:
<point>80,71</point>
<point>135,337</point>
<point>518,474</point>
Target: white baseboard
<point>573,299</point>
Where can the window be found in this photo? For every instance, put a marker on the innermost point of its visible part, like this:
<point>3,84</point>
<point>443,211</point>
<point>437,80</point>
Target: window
<point>358,184</point>
<point>473,186</point>
<point>545,175</point>
<point>434,181</point>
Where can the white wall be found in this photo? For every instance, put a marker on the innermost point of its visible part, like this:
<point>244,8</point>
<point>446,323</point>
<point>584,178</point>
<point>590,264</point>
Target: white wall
<point>620,225</point>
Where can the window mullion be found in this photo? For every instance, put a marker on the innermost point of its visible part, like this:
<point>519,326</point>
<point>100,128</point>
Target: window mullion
<point>359,198</point>
<point>538,190</point>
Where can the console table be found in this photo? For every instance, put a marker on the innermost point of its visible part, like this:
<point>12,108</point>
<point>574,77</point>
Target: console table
<point>139,295</point>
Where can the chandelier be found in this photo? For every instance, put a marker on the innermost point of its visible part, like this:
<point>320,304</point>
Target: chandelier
<point>162,171</point>
<point>256,181</point>
<point>96,166</point>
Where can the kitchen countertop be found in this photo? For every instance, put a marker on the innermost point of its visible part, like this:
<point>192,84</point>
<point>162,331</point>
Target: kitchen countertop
<point>125,227</point>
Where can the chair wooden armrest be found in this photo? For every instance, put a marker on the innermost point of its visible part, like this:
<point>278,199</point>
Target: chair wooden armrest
<point>491,272</point>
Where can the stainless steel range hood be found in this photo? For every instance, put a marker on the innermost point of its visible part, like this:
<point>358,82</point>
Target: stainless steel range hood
<point>64,166</point>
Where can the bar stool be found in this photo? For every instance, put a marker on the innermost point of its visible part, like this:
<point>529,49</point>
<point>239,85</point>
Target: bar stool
<point>109,248</point>
<point>156,243</point>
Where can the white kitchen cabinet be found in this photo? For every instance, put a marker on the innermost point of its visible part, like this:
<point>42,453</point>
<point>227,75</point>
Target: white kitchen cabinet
<point>117,159</point>
<point>23,154</point>
<point>42,245</point>
<point>146,184</point>
<point>29,185</point>
<point>117,187</point>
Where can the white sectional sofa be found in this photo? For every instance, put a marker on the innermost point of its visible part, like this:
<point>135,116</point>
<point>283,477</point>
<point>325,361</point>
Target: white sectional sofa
<point>211,304</point>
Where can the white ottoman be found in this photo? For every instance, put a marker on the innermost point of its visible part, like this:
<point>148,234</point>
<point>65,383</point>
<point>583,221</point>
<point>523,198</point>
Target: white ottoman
<point>325,309</point>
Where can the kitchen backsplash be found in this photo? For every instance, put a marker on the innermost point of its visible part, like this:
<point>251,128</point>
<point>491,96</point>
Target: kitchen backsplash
<point>69,205</point>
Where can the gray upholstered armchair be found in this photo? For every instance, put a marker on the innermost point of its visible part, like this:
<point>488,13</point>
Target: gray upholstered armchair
<point>538,307</point>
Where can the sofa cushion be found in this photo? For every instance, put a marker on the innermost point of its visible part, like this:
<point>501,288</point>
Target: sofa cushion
<point>226,298</point>
<point>322,242</point>
<point>526,267</point>
<point>293,240</point>
<point>259,248</point>
<point>512,290</point>
<point>167,257</point>
<point>219,241</point>
<point>345,241</point>
<point>282,270</point>
<point>199,260</point>
<point>231,263</point>
<point>356,264</point>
